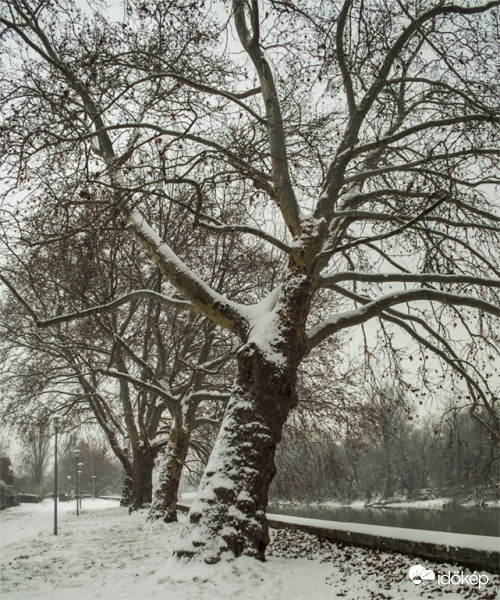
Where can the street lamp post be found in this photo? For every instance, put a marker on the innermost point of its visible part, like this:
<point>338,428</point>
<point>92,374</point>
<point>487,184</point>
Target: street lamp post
<point>77,454</point>
<point>126,482</point>
<point>56,423</point>
<point>80,471</point>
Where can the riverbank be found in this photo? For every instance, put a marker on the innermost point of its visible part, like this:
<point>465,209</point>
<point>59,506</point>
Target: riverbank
<point>469,520</point>
<point>437,502</point>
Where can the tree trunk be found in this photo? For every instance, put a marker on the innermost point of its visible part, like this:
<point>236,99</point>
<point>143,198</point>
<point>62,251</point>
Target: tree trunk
<point>141,482</point>
<point>126,498</point>
<point>228,517</point>
<point>164,504</point>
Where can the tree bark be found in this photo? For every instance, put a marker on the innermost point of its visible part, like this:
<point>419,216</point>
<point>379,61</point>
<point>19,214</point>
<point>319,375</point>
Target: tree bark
<point>140,483</point>
<point>228,517</point>
<point>164,504</point>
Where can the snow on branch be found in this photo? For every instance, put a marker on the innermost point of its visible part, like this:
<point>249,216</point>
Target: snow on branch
<point>214,395</point>
<point>376,307</point>
<point>201,297</point>
<point>329,280</point>
<point>201,421</point>
<point>102,308</point>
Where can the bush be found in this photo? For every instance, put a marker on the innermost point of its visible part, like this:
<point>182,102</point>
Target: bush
<point>8,497</point>
<point>29,498</point>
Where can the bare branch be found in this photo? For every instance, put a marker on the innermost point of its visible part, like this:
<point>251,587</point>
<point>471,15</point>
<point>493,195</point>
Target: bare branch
<point>329,280</point>
<point>277,141</point>
<point>376,307</point>
<point>237,227</point>
<point>430,124</point>
<point>110,306</point>
<point>170,400</point>
<point>341,58</point>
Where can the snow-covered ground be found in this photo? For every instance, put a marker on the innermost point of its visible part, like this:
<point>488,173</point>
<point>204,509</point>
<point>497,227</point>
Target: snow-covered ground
<point>106,553</point>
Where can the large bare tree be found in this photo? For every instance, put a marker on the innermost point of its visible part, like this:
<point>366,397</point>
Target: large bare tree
<point>362,141</point>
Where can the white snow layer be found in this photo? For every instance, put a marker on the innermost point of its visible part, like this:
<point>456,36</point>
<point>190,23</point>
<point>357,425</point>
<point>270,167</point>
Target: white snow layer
<point>106,553</point>
<point>443,538</point>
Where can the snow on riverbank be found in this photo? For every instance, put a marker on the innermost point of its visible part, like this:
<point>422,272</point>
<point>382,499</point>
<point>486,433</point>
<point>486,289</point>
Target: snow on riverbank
<point>433,503</point>
<point>105,553</point>
<point>460,540</point>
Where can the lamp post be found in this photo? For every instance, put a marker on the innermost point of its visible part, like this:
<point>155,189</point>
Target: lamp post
<point>126,490</point>
<point>77,454</point>
<point>56,423</point>
<point>80,471</point>
<point>93,487</point>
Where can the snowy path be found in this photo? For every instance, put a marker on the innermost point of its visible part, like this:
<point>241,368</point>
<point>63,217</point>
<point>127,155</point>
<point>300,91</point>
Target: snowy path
<point>28,520</point>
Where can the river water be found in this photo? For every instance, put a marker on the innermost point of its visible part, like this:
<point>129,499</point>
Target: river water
<point>470,520</point>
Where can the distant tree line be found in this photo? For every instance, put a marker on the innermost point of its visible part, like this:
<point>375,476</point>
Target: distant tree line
<point>33,470</point>
<point>396,455</point>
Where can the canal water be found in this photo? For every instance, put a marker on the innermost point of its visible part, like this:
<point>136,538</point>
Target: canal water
<point>470,520</point>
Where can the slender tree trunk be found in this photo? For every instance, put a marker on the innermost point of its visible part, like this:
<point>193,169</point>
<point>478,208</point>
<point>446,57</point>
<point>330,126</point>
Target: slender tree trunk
<point>388,465</point>
<point>126,498</point>
<point>228,517</point>
<point>164,504</point>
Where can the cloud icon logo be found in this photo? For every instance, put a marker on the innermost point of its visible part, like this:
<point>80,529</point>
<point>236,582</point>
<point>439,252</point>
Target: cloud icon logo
<point>418,573</point>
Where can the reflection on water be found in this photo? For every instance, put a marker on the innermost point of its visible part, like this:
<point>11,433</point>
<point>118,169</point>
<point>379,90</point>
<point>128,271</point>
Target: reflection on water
<point>475,521</point>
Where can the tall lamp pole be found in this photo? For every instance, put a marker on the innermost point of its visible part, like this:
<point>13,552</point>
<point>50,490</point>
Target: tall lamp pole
<point>77,454</point>
<point>80,472</point>
<point>56,423</point>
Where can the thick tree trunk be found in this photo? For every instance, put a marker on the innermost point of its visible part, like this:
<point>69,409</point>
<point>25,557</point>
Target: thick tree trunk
<point>164,504</point>
<point>228,517</point>
<point>140,484</point>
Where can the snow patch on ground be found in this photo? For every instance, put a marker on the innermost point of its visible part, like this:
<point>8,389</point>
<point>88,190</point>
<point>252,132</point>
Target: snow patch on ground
<point>106,553</point>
